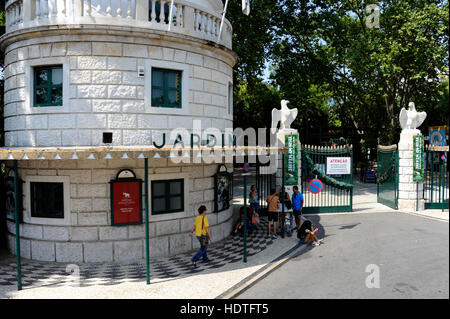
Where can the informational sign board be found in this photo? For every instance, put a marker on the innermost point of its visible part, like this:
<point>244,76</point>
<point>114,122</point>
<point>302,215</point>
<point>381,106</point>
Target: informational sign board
<point>223,189</point>
<point>436,135</point>
<point>339,165</point>
<point>291,160</point>
<point>9,198</point>
<point>418,158</point>
<point>126,201</point>
<point>315,186</point>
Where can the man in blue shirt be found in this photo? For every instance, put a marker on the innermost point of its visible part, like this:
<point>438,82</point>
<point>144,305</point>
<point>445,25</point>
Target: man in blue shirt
<point>297,206</point>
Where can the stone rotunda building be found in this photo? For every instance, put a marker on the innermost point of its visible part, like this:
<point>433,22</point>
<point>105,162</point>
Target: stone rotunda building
<point>91,86</point>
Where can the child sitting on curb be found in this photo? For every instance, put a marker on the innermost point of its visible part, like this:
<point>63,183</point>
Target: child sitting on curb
<point>307,234</point>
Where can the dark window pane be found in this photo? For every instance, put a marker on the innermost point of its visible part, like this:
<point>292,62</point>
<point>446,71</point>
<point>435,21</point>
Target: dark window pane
<point>157,78</point>
<point>42,77</point>
<point>175,188</point>
<point>174,97</point>
<point>47,200</point>
<point>159,189</point>
<point>167,196</point>
<point>48,86</point>
<point>41,96</point>
<point>166,88</point>
<point>57,95</point>
<point>159,204</point>
<point>176,203</point>
<point>57,76</point>
<point>174,79</point>
<point>157,97</point>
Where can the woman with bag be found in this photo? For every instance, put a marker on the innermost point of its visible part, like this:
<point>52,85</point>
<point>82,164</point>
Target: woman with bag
<point>201,227</point>
<point>254,205</point>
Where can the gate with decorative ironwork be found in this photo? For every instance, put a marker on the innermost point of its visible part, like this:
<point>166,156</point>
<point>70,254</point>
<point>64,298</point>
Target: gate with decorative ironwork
<point>333,167</point>
<point>387,176</point>
<point>436,189</point>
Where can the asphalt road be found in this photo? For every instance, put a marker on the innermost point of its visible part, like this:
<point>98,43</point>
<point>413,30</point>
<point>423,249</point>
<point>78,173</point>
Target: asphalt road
<point>410,252</point>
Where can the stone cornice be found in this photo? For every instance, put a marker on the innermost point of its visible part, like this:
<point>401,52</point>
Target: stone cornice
<point>129,34</point>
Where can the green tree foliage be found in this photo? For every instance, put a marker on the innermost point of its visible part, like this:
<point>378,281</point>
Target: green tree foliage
<point>252,35</point>
<point>344,77</point>
<point>371,73</point>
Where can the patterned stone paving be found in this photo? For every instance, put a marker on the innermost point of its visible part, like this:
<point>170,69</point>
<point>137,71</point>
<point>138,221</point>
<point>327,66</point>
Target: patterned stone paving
<point>36,273</point>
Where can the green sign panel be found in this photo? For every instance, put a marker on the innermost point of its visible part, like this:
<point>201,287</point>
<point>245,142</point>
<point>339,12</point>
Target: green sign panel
<point>418,158</point>
<point>291,160</point>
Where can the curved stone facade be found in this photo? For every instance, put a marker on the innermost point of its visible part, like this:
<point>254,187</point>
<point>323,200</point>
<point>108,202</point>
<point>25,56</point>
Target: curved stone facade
<point>87,234</point>
<point>107,54</point>
<point>102,91</point>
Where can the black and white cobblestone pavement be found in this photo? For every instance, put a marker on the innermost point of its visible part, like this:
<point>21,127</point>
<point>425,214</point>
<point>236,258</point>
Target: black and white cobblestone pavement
<point>52,274</point>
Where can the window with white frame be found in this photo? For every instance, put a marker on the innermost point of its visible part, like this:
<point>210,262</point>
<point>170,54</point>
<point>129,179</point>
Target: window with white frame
<point>48,85</point>
<point>166,88</point>
<point>47,200</point>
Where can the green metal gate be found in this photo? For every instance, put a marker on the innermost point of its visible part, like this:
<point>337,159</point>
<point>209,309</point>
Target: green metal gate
<point>264,183</point>
<point>337,191</point>
<point>435,186</point>
<point>387,176</point>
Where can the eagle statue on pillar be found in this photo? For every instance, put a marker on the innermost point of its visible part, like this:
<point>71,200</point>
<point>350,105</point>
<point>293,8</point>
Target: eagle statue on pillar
<point>411,119</point>
<point>284,116</point>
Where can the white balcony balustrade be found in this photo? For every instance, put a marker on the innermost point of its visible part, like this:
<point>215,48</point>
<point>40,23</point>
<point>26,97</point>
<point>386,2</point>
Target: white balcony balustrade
<point>187,17</point>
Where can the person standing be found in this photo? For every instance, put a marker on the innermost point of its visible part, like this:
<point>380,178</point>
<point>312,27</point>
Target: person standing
<point>273,202</point>
<point>287,204</point>
<point>297,206</point>
<point>201,227</point>
<point>253,199</point>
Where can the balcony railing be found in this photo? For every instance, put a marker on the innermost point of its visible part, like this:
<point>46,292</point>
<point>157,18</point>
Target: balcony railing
<point>187,18</point>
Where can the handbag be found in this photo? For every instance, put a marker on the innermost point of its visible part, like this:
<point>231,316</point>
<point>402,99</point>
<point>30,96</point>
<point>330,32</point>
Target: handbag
<point>255,219</point>
<point>204,239</point>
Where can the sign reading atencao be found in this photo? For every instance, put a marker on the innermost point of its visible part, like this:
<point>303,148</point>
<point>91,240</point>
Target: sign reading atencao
<point>338,165</point>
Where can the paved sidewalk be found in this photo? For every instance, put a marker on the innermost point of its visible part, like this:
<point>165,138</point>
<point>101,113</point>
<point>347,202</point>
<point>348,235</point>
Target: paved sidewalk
<point>172,277</point>
<point>433,213</point>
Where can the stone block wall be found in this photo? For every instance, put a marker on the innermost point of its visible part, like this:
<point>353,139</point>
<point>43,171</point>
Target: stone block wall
<point>102,90</point>
<point>90,236</point>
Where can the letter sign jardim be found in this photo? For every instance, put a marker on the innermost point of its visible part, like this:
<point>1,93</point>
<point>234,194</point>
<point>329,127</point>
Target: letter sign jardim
<point>418,159</point>
<point>291,160</point>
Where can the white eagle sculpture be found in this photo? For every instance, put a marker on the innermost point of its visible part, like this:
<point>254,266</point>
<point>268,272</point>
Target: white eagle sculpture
<point>411,119</point>
<point>284,115</point>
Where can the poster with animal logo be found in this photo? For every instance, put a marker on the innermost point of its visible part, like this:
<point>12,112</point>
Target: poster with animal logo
<point>126,197</point>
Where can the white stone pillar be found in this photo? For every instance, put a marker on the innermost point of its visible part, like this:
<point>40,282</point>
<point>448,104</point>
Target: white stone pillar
<point>28,9</point>
<point>189,18</point>
<point>77,8</point>
<point>410,195</point>
<point>142,10</point>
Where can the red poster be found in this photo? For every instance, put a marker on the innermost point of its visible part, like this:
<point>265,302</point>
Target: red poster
<point>126,202</point>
